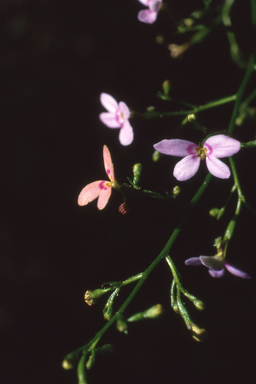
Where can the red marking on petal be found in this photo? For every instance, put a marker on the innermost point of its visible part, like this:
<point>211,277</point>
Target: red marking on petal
<point>104,185</point>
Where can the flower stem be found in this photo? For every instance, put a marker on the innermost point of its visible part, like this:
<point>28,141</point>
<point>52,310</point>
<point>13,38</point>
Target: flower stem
<point>240,93</point>
<point>74,355</point>
<point>211,104</point>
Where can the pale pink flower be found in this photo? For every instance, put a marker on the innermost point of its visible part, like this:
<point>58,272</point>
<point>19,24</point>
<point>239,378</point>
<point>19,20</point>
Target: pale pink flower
<point>216,266</point>
<point>149,15</point>
<point>100,188</point>
<point>117,117</point>
<point>214,147</point>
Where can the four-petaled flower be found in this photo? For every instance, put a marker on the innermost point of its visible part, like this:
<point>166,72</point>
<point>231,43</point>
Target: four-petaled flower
<point>214,147</point>
<point>216,266</point>
<point>117,117</point>
<point>100,188</point>
<point>149,15</point>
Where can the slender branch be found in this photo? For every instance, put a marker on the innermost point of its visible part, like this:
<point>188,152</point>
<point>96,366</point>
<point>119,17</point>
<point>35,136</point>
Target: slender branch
<point>211,104</point>
<point>73,355</point>
<point>240,93</point>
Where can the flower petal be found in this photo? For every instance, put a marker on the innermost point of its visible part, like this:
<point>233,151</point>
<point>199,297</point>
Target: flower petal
<point>124,110</point>
<point>109,119</point>
<point>89,193</point>
<point>108,163</point>
<point>212,262</point>
<point>103,197</point>
<point>193,261</point>
<point>222,146</point>
<point>108,102</point>
<point>237,272</point>
<point>186,168</point>
<point>217,167</point>
<point>147,16</point>
<point>155,5</point>
<point>126,133</point>
<point>176,147</point>
<point>217,273</point>
<point>145,2</point>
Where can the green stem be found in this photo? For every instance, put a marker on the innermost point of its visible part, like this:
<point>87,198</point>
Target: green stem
<point>209,105</point>
<point>240,93</point>
<point>145,274</point>
<point>253,12</point>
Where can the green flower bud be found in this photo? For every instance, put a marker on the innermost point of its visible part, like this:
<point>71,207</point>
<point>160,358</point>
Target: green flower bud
<point>249,144</point>
<point>121,324</point>
<point>176,191</point>
<point>198,304</point>
<point>214,212</point>
<point>90,297</point>
<point>155,156</point>
<point>166,87</point>
<point>199,334</point>
<point>150,313</point>
<point>67,364</point>
<point>137,168</point>
<point>230,230</point>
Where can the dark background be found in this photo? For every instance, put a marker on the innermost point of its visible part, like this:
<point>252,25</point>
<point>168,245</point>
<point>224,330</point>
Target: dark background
<point>56,57</point>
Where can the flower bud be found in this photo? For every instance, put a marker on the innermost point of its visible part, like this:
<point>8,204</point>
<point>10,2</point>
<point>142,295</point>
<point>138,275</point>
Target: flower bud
<point>137,168</point>
<point>67,364</point>
<point>214,212</point>
<point>150,313</point>
<point>249,144</point>
<point>166,87</point>
<point>121,324</point>
<point>155,156</point>
<point>198,304</point>
<point>90,297</point>
<point>176,191</point>
<point>199,334</point>
<point>124,208</point>
<point>230,230</point>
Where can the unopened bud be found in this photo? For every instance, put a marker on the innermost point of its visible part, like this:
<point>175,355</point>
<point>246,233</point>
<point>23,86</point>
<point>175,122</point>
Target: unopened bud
<point>137,168</point>
<point>199,334</point>
<point>198,304</point>
<point>166,87</point>
<point>249,144</point>
<point>121,324</point>
<point>230,230</point>
<point>176,191</point>
<point>150,313</point>
<point>214,212</point>
<point>155,156</point>
<point>67,364</point>
<point>124,208</point>
<point>90,297</point>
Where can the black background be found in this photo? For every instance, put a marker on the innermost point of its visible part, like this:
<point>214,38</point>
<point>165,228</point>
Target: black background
<point>56,57</point>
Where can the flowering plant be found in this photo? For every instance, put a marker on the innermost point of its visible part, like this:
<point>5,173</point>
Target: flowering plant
<point>209,146</point>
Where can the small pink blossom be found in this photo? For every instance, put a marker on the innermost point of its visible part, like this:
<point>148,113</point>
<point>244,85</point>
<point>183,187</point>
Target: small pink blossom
<point>149,15</point>
<point>214,147</point>
<point>117,117</point>
<point>216,266</point>
<point>100,188</point>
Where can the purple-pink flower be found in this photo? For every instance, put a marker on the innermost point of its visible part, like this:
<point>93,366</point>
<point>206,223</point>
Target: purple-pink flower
<point>214,147</point>
<point>149,15</point>
<point>101,188</point>
<point>216,266</point>
<point>117,117</point>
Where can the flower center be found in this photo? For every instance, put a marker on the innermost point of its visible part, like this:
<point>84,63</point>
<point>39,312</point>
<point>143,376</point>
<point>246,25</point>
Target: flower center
<point>119,117</point>
<point>201,152</point>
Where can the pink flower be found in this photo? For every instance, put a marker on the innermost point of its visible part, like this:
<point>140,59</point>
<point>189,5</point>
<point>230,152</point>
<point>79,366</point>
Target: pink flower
<point>149,15</point>
<point>117,117</point>
<point>214,147</point>
<point>100,188</point>
<point>216,266</point>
